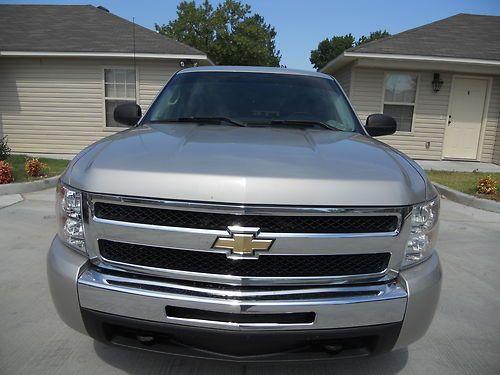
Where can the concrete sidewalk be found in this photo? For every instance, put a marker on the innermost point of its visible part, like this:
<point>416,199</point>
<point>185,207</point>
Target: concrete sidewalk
<point>458,166</point>
<point>48,195</point>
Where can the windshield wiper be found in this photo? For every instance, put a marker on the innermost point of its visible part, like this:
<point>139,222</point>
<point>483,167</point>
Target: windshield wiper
<point>210,120</point>
<point>304,123</point>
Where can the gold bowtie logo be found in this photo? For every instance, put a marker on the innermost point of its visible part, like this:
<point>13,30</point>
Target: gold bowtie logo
<point>242,243</point>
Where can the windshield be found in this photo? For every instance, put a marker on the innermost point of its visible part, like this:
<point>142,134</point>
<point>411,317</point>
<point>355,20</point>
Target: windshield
<point>253,99</point>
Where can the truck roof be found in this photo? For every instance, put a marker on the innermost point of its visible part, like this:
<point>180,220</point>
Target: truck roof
<point>254,69</point>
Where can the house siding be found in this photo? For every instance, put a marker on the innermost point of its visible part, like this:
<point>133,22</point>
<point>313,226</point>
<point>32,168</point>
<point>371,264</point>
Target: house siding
<point>152,78</point>
<point>496,151</point>
<point>491,143</point>
<point>56,106</point>
<point>431,110</point>
<point>343,76</point>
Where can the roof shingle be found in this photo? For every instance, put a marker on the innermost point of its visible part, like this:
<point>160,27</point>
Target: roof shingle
<point>461,36</point>
<point>78,28</point>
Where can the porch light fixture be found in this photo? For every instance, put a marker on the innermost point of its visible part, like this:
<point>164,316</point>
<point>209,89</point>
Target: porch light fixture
<point>437,82</point>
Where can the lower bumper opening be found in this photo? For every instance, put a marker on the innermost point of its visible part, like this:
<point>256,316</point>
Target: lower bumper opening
<point>183,313</point>
<point>241,346</point>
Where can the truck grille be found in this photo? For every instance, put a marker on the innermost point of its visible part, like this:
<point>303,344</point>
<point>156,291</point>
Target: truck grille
<point>264,266</point>
<point>266,223</point>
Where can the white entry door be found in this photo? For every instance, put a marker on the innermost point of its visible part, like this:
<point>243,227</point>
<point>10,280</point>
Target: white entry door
<point>465,118</point>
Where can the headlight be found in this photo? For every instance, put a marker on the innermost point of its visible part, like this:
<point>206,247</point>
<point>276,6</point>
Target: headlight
<point>423,233</point>
<point>69,217</point>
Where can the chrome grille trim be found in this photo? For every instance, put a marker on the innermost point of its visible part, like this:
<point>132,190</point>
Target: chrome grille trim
<point>266,266</point>
<point>285,244</point>
<point>236,209</point>
<point>320,223</point>
<point>386,275</point>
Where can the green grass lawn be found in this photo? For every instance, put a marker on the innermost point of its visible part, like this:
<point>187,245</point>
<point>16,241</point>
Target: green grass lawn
<point>54,167</point>
<point>465,182</point>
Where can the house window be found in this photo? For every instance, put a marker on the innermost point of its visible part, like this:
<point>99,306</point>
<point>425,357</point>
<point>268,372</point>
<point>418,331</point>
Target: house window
<point>119,87</point>
<point>400,91</point>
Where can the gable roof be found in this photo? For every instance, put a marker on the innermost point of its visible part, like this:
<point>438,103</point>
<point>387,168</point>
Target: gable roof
<point>462,38</point>
<point>463,35</point>
<point>84,29</point>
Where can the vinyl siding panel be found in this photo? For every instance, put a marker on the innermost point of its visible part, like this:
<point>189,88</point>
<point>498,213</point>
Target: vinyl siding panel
<point>494,119</point>
<point>343,76</point>
<point>152,77</point>
<point>56,106</point>
<point>366,95</point>
<point>491,142</point>
<point>496,151</point>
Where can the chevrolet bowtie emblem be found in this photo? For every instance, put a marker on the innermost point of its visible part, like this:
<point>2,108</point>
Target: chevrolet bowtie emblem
<point>243,243</point>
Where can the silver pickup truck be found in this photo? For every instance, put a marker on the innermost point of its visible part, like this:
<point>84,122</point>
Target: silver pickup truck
<point>247,216</point>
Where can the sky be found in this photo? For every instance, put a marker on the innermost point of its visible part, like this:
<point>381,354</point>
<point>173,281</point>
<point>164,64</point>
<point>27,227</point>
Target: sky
<point>302,24</point>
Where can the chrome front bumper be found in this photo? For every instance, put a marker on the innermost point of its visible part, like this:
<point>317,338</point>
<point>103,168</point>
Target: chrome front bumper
<point>333,307</point>
<point>410,299</point>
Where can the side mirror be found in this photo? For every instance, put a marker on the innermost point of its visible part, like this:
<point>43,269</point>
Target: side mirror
<point>379,124</point>
<point>127,113</point>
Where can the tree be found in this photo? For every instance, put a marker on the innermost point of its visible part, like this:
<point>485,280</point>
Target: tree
<point>379,34</point>
<point>328,49</point>
<point>229,34</point>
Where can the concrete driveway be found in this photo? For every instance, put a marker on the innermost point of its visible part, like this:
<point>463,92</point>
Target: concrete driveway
<point>464,337</point>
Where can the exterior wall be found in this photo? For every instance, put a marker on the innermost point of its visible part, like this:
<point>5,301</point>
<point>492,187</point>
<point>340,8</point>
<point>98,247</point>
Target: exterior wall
<point>491,145</point>
<point>496,150</point>
<point>56,105</point>
<point>431,110</point>
<point>344,76</point>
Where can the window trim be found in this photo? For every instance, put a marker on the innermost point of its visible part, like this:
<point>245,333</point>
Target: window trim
<point>115,129</point>
<point>417,92</point>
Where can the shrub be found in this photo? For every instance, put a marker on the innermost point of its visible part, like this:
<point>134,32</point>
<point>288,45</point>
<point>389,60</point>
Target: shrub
<point>487,185</point>
<point>34,168</point>
<point>5,173</point>
<point>4,148</point>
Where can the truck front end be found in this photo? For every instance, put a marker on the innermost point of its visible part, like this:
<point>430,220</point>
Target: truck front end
<point>211,255</point>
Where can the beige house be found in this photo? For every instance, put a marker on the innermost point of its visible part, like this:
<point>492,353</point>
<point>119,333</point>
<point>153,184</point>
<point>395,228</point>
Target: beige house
<point>441,82</point>
<point>63,69</point>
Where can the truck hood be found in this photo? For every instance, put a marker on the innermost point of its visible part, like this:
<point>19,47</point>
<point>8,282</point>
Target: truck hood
<point>253,165</point>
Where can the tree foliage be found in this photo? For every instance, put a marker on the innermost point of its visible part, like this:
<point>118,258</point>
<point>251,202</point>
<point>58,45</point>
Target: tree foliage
<point>379,34</point>
<point>229,34</point>
<point>328,49</point>
<point>4,148</point>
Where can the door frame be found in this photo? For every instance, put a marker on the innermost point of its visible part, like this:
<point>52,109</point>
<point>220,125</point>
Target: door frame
<point>489,82</point>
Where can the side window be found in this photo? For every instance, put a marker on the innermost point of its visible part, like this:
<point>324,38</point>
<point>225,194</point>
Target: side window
<point>119,87</point>
<point>400,91</point>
